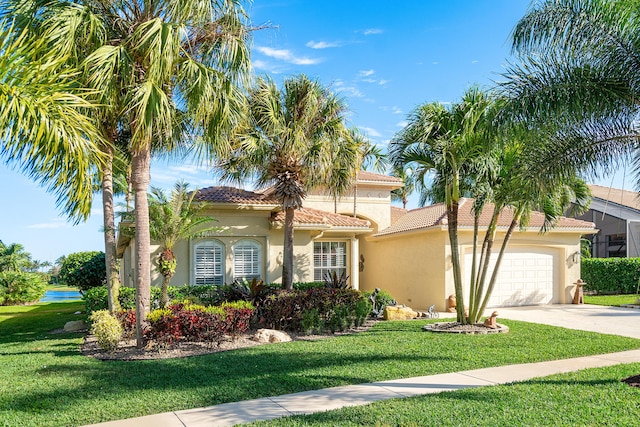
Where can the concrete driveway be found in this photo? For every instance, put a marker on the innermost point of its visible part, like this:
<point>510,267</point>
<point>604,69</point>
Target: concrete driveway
<point>586,317</point>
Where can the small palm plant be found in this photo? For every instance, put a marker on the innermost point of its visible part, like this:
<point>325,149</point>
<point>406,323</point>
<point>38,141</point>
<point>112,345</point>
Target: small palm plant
<point>172,219</point>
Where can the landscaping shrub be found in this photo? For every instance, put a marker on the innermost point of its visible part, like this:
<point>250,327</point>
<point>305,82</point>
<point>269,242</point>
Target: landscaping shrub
<point>18,287</point>
<point>295,310</point>
<point>383,298</point>
<point>127,319</point>
<point>106,328</point>
<point>611,275</point>
<point>183,321</point>
<point>83,270</point>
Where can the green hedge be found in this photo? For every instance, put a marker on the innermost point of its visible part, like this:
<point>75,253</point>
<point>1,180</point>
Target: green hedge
<point>611,275</point>
<point>83,270</point>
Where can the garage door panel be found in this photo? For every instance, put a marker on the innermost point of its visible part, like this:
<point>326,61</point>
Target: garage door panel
<point>525,278</point>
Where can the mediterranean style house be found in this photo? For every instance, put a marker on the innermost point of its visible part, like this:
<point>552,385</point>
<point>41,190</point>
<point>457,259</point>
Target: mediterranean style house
<point>377,245</point>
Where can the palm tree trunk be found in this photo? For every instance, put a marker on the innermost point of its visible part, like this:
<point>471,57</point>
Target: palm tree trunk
<point>113,282</point>
<point>452,218</point>
<point>287,256</point>
<point>164,296</point>
<point>485,258</point>
<point>494,275</point>
<point>140,177</point>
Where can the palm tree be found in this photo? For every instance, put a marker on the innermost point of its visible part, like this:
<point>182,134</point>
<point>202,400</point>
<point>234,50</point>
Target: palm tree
<point>170,220</point>
<point>451,142</point>
<point>173,68</point>
<point>13,257</point>
<point>290,141</point>
<point>409,186</point>
<point>578,77</point>
<point>45,130</point>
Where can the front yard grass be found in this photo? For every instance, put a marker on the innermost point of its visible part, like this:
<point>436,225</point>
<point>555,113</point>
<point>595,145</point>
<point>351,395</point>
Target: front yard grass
<point>45,381</point>
<point>610,300</point>
<point>592,397</point>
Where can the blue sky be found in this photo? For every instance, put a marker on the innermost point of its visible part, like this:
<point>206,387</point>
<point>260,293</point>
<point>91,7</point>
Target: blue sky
<point>383,57</point>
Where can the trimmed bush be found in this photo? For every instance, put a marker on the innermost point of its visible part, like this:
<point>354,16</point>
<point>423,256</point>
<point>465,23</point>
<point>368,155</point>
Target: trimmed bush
<point>314,309</point>
<point>83,270</point>
<point>106,328</point>
<point>187,322</point>
<point>18,287</point>
<point>611,275</point>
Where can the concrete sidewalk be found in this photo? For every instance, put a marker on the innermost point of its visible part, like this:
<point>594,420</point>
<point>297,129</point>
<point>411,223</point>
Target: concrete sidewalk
<point>323,400</point>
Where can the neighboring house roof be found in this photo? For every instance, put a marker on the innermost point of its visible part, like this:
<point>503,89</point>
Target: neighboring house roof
<point>315,217</point>
<point>234,196</point>
<point>364,176</point>
<point>626,198</point>
<point>435,216</point>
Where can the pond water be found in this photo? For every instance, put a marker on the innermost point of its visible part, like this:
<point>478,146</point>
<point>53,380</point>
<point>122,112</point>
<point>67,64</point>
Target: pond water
<point>57,296</point>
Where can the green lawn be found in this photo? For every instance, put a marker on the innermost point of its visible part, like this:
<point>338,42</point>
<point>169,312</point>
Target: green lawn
<point>612,300</point>
<point>592,397</point>
<point>44,381</point>
<point>63,288</point>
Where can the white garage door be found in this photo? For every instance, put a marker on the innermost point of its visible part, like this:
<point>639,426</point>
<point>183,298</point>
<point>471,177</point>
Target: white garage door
<point>525,278</point>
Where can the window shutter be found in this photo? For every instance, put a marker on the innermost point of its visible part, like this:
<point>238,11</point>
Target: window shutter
<point>209,263</point>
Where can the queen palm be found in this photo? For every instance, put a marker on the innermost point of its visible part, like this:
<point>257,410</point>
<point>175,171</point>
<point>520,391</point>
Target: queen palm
<point>289,141</point>
<point>164,69</point>
<point>45,130</point>
<point>172,219</point>
<point>450,141</point>
<point>578,77</point>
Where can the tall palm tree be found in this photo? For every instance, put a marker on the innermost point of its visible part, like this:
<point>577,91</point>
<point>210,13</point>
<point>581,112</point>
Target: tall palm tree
<point>172,219</point>
<point>409,186</point>
<point>45,130</point>
<point>165,70</point>
<point>578,77</point>
<point>13,257</point>
<point>289,141</point>
<point>450,141</point>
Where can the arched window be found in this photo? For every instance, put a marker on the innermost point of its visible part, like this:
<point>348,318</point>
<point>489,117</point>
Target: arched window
<point>209,263</point>
<point>247,255</point>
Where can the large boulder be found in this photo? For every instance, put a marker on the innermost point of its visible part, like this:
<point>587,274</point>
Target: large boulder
<point>399,312</point>
<point>271,336</point>
<point>75,326</point>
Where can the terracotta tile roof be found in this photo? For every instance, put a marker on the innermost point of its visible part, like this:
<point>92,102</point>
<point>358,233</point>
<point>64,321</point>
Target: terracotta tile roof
<point>397,213</point>
<point>626,198</point>
<point>376,177</point>
<point>436,216</point>
<point>308,216</point>
<point>234,195</point>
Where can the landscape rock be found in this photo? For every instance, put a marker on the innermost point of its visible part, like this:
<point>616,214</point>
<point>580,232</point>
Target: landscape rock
<point>271,336</point>
<point>75,325</point>
<point>399,312</point>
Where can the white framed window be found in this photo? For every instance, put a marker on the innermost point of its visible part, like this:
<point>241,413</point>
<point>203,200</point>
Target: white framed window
<point>329,257</point>
<point>247,260</point>
<point>209,263</point>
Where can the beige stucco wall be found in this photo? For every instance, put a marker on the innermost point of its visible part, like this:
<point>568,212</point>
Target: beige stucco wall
<point>372,203</point>
<point>409,266</point>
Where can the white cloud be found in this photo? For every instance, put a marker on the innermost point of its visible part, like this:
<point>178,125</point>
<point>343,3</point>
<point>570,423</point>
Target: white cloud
<point>366,73</point>
<point>475,61</point>
<point>56,223</point>
<point>371,31</point>
<point>287,56</point>
<point>339,86</point>
<point>396,110</point>
<point>383,82</point>
<point>402,124</point>
<point>371,132</point>
<point>322,45</point>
